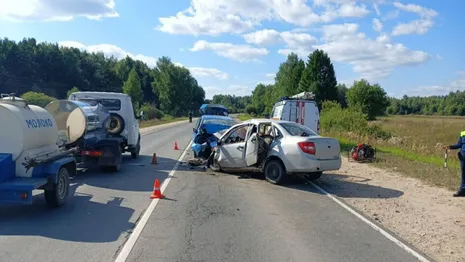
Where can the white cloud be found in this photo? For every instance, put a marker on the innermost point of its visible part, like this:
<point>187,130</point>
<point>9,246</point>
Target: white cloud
<point>241,53</point>
<point>111,50</point>
<point>420,10</point>
<point>375,6</point>
<point>271,75</point>
<point>54,10</point>
<point>214,17</point>
<point>237,90</point>
<point>372,59</point>
<point>263,37</point>
<point>299,43</point>
<point>208,72</point>
<point>200,72</point>
<point>377,25</point>
<point>418,27</point>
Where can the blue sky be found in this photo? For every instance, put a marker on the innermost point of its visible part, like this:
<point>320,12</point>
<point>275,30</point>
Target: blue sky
<point>409,47</point>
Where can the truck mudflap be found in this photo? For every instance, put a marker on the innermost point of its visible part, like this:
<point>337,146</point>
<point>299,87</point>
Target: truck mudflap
<point>107,153</point>
<point>111,155</point>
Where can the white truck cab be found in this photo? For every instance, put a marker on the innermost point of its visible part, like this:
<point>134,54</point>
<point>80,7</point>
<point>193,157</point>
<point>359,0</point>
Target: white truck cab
<point>300,108</point>
<point>124,121</point>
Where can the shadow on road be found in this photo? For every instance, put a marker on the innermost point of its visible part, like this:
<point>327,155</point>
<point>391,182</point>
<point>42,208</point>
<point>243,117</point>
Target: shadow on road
<point>337,185</point>
<point>352,186</point>
<point>80,220</point>
<point>87,217</point>
<point>135,174</point>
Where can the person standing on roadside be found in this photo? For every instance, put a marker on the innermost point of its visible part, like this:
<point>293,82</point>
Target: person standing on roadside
<point>461,155</point>
<point>190,117</point>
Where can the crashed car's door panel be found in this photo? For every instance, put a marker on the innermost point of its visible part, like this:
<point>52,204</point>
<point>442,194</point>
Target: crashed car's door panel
<point>251,150</point>
<point>232,148</point>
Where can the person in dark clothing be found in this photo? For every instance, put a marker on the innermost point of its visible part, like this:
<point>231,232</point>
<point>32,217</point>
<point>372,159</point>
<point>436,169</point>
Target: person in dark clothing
<point>461,155</point>
<point>190,117</point>
<point>206,153</point>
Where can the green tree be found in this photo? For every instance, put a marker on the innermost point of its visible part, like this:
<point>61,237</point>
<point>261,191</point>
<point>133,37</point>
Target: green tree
<point>72,90</point>
<point>372,100</point>
<point>288,76</point>
<point>341,94</point>
<point>132,87</point>
<point>319,77</point>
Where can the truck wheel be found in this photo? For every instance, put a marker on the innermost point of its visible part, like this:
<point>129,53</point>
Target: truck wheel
<point>274,171</point>
<point>136,153</point>
<point>56,196</point>
<point>313,176</point>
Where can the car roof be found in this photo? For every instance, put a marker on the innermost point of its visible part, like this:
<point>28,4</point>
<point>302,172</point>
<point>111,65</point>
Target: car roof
<point>266,120</point>
<point>216,117</point>
<point>94,94</point>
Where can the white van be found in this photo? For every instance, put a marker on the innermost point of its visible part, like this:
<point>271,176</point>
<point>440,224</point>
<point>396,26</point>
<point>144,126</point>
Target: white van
<point>124,123</point>
<point>300,108</point>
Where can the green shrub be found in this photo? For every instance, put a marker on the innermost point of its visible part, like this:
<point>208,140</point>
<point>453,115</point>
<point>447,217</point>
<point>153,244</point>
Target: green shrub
<point>251,110</point>
<point>336,119</point>
<point>38,99</point>
<point>151,112</point>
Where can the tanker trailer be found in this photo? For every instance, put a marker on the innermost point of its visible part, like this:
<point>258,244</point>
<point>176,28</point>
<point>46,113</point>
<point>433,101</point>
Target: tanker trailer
<point>30,157</point>
<point>87,127</point>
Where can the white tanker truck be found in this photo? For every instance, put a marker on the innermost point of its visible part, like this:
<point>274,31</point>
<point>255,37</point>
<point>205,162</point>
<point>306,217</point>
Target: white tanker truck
<point>30,154</point>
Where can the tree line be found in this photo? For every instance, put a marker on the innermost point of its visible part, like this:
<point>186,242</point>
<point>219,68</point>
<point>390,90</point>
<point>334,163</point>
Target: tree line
<point>41,72</point>
<point>318,76</point>
<point>451,104</point>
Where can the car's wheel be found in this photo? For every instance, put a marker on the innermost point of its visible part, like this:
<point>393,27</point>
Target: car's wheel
<point>313,176</point>
<point>274,171</point>
<point>136,153</point>
<point>56,196</point>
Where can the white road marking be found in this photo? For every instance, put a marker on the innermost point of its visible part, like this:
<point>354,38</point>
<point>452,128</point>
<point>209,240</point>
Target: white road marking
<point>123,255</point>
<point>374,226</point>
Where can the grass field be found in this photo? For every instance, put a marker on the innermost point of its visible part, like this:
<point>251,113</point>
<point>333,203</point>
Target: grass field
<point>415,149</point>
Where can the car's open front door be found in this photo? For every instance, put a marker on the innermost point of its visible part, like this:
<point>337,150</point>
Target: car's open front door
<point>251,150</point>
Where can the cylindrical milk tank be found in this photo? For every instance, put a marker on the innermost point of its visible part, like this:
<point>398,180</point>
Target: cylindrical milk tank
<point>74,119</point>
<point>24,127</point>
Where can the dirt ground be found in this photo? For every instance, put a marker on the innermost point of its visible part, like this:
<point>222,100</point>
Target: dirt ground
<point>429,218</point>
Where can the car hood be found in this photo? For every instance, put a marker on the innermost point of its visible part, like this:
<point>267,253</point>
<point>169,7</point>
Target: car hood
<point>212,129</point>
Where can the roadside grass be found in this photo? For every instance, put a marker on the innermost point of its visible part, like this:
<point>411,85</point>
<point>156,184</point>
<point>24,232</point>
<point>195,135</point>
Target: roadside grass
<point>164,120</point>
<point>244,117</point>
<point>415,147</point>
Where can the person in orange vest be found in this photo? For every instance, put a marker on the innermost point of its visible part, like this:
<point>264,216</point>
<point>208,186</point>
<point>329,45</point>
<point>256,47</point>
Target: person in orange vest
<point>461,155</point>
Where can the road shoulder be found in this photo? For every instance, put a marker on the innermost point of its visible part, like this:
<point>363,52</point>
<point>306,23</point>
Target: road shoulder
<point>427,217</point>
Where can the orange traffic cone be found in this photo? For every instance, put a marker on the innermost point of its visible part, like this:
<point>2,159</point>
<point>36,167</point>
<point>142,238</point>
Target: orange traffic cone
<point>154,159</point>
<point>176,145</point>
<point>156,190</point>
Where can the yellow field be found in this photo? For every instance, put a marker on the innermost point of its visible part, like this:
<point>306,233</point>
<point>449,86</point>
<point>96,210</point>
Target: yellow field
<point>416,147</point>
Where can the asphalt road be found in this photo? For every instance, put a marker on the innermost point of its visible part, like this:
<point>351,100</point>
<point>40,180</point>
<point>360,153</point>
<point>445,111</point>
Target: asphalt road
<point>206,216</point>
<point>95,223</point>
